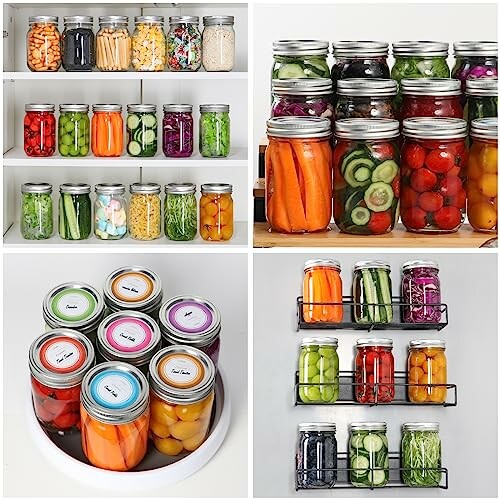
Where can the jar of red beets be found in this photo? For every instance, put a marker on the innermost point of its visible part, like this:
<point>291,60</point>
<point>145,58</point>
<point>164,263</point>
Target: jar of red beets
<point>39,130</point>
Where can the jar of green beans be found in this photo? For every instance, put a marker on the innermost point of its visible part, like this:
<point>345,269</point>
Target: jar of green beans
<point>180,211</point>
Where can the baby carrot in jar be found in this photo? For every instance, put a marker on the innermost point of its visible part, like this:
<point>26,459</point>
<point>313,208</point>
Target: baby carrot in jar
<point>216,212</point>
<point>107,130</point>
<point>43,44</point>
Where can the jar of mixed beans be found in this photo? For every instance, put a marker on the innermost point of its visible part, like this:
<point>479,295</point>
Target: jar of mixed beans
<point>43,44</point>
<point>216,212</point>
<point>39,130</point>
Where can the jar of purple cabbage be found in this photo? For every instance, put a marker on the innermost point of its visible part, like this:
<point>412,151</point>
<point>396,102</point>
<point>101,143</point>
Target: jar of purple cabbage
<point>421,289</point>
<point>177,130</point>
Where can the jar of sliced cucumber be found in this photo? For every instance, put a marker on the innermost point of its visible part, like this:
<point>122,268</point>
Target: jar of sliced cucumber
<point>142,130</point>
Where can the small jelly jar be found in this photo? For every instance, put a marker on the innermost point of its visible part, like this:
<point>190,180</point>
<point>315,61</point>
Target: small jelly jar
<point>177,130</point>
<point>39,130</point>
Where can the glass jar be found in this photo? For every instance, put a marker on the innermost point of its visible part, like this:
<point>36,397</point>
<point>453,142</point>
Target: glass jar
<point>372,292</point>
<point>433,161</point>
<point>482,176</point>
<point>74,129</point>
<point>145,211</point>
<point>148,44</point>
<point>115,416</point>
<point>43,44</point>
<point>182,383</point>
<point>178,130</point>
<point>215,130</point>
<point>113,44</point>
<point>191,321</point>
<point>318,370</point>
<point>78,43</point>
<point>482,99</point>
<point>366,175</point>
<point>366,98</point>
<point>298,159</point>
<point>39,130</point>
<point>37,222</point>
<point>58,361</point>
<point>216,212</point>
<point>421,287</point>
<point>300,59</point>
<point>181,214</point>
<point>75,211</point>
<point>421,454</point>
<point>142,130</point>
<point>128,336</point>
<point>217,47</point>
<point>184,44</point>
<point>374,373</point>
<point>369,454</point>
<point>107,130</point>
<point>322,283</point>
<point>430,97</point>
<point>110,211</point>
<point>427,365</point>
<point>316,451</point>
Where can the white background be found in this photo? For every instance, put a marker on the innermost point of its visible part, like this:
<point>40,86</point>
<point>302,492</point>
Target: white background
<point>468,431</point>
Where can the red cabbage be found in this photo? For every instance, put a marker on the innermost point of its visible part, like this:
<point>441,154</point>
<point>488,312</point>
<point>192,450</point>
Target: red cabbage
<point>421,288</point>
<point>288,107</point>
<point>177,134</point>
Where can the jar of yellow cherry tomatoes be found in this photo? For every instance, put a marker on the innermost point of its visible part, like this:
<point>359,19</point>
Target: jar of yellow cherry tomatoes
<point>216,212</point>
<point>482,173</point>
<point>182,381</point>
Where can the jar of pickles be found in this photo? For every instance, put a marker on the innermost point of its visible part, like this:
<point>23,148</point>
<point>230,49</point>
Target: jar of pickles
<point>191,321</point>
<point>322,291</point>
<point>145,211</point>
<point>37,221</point>
<point>215,130</point>
<point>482,99</point>
<point>142,130</point>
<point>433,161</point>
<point>115,416</point>
<point>43,44</point>
<point>184,44</point>
<point>107,130</point>
<point>482,176</point>
<point>216,212</point>
<point>74,129</point>
<point>78,43</point>
<point>110,211</point>
<point>148,44</point>
<point>427,369</point>
<point>75,211</point>
<point>218,45</point>
<point>58,361</point>
<point>181,214</point>
<point>39,130</point>
<point>182,382</point>
<point>113,44</point>
<point>178,130</point>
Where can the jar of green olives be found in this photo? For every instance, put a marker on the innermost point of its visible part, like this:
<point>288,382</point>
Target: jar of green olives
<point>74,130</point>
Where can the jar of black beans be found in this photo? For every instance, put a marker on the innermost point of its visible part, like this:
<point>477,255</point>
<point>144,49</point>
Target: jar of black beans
<point>316,456</point>
<point>78,44</point>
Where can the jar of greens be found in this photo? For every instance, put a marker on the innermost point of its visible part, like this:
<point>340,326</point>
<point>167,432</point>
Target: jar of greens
<point>421,454</point>
<point>482,99</point>
<point>215,134</point>
<point>75,212</point>
<point>74,129</point>
<point>110,211</point>
<point>300,59</point>
<point>180,211</point>
<point>36,211</point>
<point>142,130</point>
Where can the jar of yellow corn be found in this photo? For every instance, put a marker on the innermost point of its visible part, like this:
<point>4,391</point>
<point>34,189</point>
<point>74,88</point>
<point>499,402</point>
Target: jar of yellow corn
<point>148,44</point>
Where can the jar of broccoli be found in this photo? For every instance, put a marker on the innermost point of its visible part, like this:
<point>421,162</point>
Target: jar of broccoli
<point>74,129</point>
<point>215,134</point>
<point>36,211</point>
<point>180,211</point>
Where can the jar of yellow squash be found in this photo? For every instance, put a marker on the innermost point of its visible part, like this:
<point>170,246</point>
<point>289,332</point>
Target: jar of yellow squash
<point>145,211</point>
<point>216,212</point>
<point>149,44</point>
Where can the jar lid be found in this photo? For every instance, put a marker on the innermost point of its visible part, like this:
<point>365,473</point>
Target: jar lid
<point>60,358</point>
<point>211,20</point>
<point>216,188</point>
<point>180,188</point>
<point>317,426</point>
<point>331,341</point>
<point>149,19</point>
<point>421,426</point>
<point>78,19</point>
<point>78,108</point>
<point>184,20</point>
<point>40,107</point>
<point>113,20</point>
<point>301,127</point>
<point>36,187</point>
<point>106,107</point>
<point>361,48</point>
<point>413,264</point>
<point>43,19</point>
<point>418,344</point>
<point>484,128</point>
<point>335,264</point>
<point>374,342</point>
<point>189,320</point>
<point>422,48</point>
<point>128,336</point>
<point>214,108</point>
<point>367,87</point>
<point>74,188</point>
<point>301,86</point>
<point>141,108</point>
<point>368,426</point>
<point>181,374</point>
<point>145,188</point>
<point>115,393</point>
<point>472,48</point>
<point>300,48</point>
<point>366,128</point>
<point>371,264</point>
<point>431,86</point>
<point>109,188</point>
<point>177,108</point>
<point>487,87</point>
<point>434,128</point>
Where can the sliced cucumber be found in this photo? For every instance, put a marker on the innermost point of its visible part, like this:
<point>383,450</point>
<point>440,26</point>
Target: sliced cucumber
<point>312,72</point>
<point>138,135</point>
<point>133,122</point>
<point>134,148</point>
<point>372,443</point>
<point>69,210</point>
<point>360,464</point>
<point>379,196</point>
<point>385,172</point>
<point>291,71</point>
<point>360,216</point>
<point>149,137</point>
<point>353,200</point>
<point>357,442</point>
<point>385,292</point>
<point>62,226</point>
<point>370,299</point>
<point>149,120</point>
<point>362,174</point>
<point>358,172</point>
<point>377,477</point>
<point>381,458</point>
<point>353,154</point>
<point>381,309</point>
<point>318,64</point>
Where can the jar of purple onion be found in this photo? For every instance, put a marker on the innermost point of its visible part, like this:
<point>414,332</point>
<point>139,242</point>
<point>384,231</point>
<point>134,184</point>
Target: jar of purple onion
<point>177,130</point>
<point>421,292</point>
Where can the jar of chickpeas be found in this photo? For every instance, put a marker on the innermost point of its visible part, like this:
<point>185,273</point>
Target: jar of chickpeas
<point>43,44</point>
<point>216,212</point>
<point>145,211</point>
<point>148,44</point>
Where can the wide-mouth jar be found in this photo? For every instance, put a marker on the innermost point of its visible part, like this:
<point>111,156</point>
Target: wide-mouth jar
<point>216,212</point>
<point>43,44</point>
<point>145,211</point>
<point>215,130</point>
<point>78,43</point>
<point>218,43</point>
<point>74,130</point>
<point>37,222</point>
<point>184,44</point>
<point>142,130</point>
<point>113,44</point>
<point>181,216</point>
<point>110,214</point>
<point>178,132</point>
<point>39,130</point>
<point>481,99</point>
<point>149,46</point>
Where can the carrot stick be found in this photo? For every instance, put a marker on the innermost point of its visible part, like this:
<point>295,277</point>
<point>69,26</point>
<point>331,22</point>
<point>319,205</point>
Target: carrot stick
<point>102,134</point>
<point>306,292</point>
<point>277,200</point>
<point>94,135</point>
<point>104,447</point>
<point>117,125</point>
<point>336,312</point>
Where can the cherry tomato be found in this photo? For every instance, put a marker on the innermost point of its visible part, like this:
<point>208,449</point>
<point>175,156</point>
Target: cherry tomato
<point>383,151</point>
<point>409,197</point>
<point>414,218</point>
<point>71,394</point>
<point>430,201</point>
<point>380,222</point>
<point>370,358</point>
<point>423,180</point>
<point>396,186</point>
<point>440,161</point>
<point>450,186</point>
<point>413,156</point>
<point>458,200</point>
<point>66,420</point>
<point>448,218</point>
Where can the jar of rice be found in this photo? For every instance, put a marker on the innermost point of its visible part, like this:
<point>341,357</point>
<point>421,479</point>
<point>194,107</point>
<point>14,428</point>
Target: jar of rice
<point>218,43</point>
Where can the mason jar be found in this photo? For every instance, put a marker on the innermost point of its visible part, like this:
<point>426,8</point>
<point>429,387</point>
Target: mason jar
<point>181,211</point>
<point>75,211</point>
<point>216,212</point>
<point>215,130</point>
<point>39,130</point>
<point>178,132</point>
<point>78,44</point>
<point>145,211</point>
<point>142,130</point>
<point>184,44</point>
<point>149,48</point>
<point>113,44</point>
<point>107,130</point>
<point>74,130</point>
<point>110,211</point>
<point>481,99</point>
<point>43,44</point>
<point>217,47</point>
<point>37,221</point>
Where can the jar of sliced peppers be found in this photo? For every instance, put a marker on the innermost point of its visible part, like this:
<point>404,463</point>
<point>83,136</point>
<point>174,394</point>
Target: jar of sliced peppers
<point>39,130</point>
<point>178,130</point>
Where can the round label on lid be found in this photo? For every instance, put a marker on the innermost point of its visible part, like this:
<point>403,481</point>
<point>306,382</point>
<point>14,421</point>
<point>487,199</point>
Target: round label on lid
<point>181,371</point>
<point>62,355</point>
<point>190,317</point>
<point>73,305</point>
<point>129,334</point>
<point>132,287</point>
<point>114,389</point>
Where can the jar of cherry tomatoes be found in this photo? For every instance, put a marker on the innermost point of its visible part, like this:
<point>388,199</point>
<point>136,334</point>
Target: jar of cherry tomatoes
<point>374,373</point>
<point>39,130</point>
<point>430,97</point>
<point>58,361</point>
<point>433,161</point>
<point>216,212</point>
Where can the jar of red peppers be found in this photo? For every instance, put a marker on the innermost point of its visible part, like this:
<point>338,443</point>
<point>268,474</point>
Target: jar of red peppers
<point>433,161</point>
<point>366,175</point>
<point>39,130</point>
<point>374,373</point>
<point>177,130</point>
<point>58,361</point>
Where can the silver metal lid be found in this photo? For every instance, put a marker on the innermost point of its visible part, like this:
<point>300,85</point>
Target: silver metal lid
<point>412,264</point>
<point>302,86</point>
<point>487,87</point>
<point>178,108</point>
<point>145,188</point>
<point>106,107</point>
<point>211,20</point>
<point>180,188</point>
<point>421,426</point>
<point>141,108</point>
<point>149,19</point>
<point>105,20</point>
<point>422,48</point>
<point>216,188</point>
<point>78,19</point>
<point>43,19</point>
<point>475,49</point>
<point>74,188</point>
<point>77,108</point>
<point>419,344</point>
<point>374,342</point>
<point>434,128</point>
<point>181,374</point>
<point>366,128</point>
<point>317,427</point>
<point>115,393</point>
<point>331,341</point>
<point>184,20</point>
<point>361,48</point>
<point>372,264</point>
<point>60,358</point>
<point>367,87</point>
<point>484,128</point>
<point>109,188</point>
<point>36,187</point>
<point>299,127</point>
<point>368,426</point>
<point>300,48</point>
<point>335,264</point>
<point>431,86</point>
<point>40,107</point>
<point>214,108</point>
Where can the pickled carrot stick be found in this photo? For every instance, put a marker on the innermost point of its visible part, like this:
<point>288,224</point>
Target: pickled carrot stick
<point>117,125</point>
<point>130,444</point>
<point>104,447</point>
<point>101,135</point>
<point>325,296</point>
<point>94,135</point>
<point>84,419</point>
<point>335,312</point>
<point>277,201</point>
